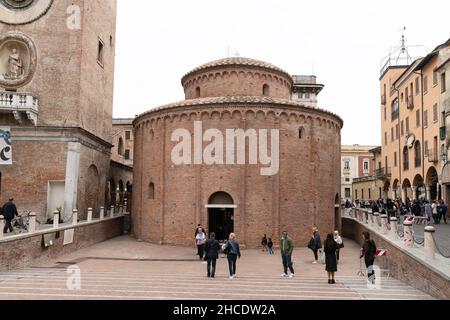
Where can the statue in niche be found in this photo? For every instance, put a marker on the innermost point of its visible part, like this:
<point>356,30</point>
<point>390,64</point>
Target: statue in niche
<point>15,66</point>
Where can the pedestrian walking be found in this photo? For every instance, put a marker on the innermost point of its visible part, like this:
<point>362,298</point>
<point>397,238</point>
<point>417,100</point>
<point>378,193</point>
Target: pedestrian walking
<point>212,248</point>
<point>368,251</point>
<point>434,208</point>
<point>9,212</point>
<point>330,248</point>
<point>287,247</point>
<point>233,253</point>
<point>428,211</point>
<point>443,209</point>
<point>200,240</point>
<point>264,243</point>
<point>315,244</point>
<point>339,242</point>
<point>270,246</point>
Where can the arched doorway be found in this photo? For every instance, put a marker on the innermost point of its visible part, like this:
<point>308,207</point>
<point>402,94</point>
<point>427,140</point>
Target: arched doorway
<point>432,181</point>
<point>221,215</point>
<point>92,189</point>
<point>419,188</point>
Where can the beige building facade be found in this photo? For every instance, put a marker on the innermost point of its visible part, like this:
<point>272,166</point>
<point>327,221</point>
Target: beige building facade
<point>356,162</point>
<point>411,118</point>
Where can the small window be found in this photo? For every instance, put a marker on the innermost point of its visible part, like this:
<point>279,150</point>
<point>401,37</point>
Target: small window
<point>435,113</point>
<point>100,53</point>
<point>435,79</point>
<point>395,159</point>
<point>417,86</point>
<point>347,193</point>
<point>443,84</point>
<point>197,92</point>
<point>307,95</point>
<point>392,134</point>
<point>151,191</point>
<point>407,125</point>
<point>385,138</point>
<point>425,84</point>
<point>425,118</point>
<point>418,118</point>
<point>402,129</point>
<point>127,154</point>
<point>397,132</point>
<point>127,135</point>
<point>347,165</point>
<point>301,133</point>
<point>300,95</point>
<point>347,179</point>
<point>366,166</point>
<point>111,43</point>
<point>120,149</point>
<point>265,90</point>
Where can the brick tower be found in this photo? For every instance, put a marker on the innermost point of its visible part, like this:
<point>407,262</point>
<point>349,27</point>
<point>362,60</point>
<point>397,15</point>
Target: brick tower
<point>56,98</point>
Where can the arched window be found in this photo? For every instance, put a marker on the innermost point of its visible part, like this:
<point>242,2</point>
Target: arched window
<point>301,133</point>
<point>151,191</point>
<point>265,90</point>
<point>197,92</point>
<point>120,150</point>
<point>405,158</point>
<point>417,155</point>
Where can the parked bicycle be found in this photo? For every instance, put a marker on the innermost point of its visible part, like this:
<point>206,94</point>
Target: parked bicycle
<point>22,222</point>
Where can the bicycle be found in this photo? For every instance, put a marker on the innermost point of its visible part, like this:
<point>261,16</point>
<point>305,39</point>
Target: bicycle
<point>22,222</point>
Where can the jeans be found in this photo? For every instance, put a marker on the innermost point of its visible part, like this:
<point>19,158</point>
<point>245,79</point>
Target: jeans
<point>444,215</point>
<point>211,267</point>
<point>287,263</point>
<point>8,226</point>
<point>316,255</point>
<point>271,250</point>
<point>201,251</point>
<point>370,271</point>
<point>232,258</point>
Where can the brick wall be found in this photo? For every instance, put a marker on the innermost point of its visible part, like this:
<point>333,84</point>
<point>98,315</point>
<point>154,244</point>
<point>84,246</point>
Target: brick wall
<point>403,266</point>
<point>29,251</point>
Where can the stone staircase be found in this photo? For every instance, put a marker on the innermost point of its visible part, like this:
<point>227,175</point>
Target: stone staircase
<point>51,284</point>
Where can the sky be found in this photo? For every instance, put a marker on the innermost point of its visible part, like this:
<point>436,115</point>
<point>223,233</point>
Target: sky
<point>342,42</point>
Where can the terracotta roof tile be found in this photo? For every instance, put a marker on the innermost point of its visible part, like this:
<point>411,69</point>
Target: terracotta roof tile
<point>233,100</point>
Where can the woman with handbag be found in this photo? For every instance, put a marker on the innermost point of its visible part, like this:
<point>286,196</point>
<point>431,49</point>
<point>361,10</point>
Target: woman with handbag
<point>339,242</point>
<point>200,241</point>
<point>233,253</point>
<point>315,244</point>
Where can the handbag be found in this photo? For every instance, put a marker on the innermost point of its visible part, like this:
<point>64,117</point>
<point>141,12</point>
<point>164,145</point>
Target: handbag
<point>322,256</point>
<point>311,244</point>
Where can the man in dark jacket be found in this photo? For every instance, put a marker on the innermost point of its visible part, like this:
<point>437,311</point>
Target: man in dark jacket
<point>9,211</point>
<point>368,252</point>
<point>212,247</point>
<point>286,248</point>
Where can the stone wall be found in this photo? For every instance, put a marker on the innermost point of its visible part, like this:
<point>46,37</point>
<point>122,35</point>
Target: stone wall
<point>403,266</point>
<point>28,251</point>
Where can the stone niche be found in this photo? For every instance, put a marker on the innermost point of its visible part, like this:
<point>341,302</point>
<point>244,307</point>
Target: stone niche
<point>17,60</point>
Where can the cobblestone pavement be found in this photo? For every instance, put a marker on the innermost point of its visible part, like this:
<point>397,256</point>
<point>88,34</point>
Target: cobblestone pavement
<point>123,268</point>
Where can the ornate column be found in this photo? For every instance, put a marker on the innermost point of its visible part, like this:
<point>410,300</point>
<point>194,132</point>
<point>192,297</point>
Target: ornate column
<point>404,195</point>
<point>428,189</point>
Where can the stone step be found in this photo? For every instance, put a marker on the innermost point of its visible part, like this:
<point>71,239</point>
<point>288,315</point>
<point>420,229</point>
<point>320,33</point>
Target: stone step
<point>49,283</point>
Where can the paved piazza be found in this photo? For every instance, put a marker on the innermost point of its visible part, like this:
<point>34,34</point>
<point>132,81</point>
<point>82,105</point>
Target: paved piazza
<point>122,268</point>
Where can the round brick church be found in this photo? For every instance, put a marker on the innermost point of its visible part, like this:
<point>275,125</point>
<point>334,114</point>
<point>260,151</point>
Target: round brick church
<point>238,155</point>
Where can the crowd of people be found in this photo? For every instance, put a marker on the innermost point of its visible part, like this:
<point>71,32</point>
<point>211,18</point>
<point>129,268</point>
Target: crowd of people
<point>434,211</point>
<point>329,251</point>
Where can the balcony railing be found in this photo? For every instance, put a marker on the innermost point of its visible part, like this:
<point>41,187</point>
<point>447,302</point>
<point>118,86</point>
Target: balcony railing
<point>382,173</point>
<point>24,106</point>
<point>433,155</point>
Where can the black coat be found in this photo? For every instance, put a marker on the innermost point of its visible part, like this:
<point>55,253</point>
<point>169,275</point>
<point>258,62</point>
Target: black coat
<point>330,256</point>
<point>212,248</point>
<point>9,211</point>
